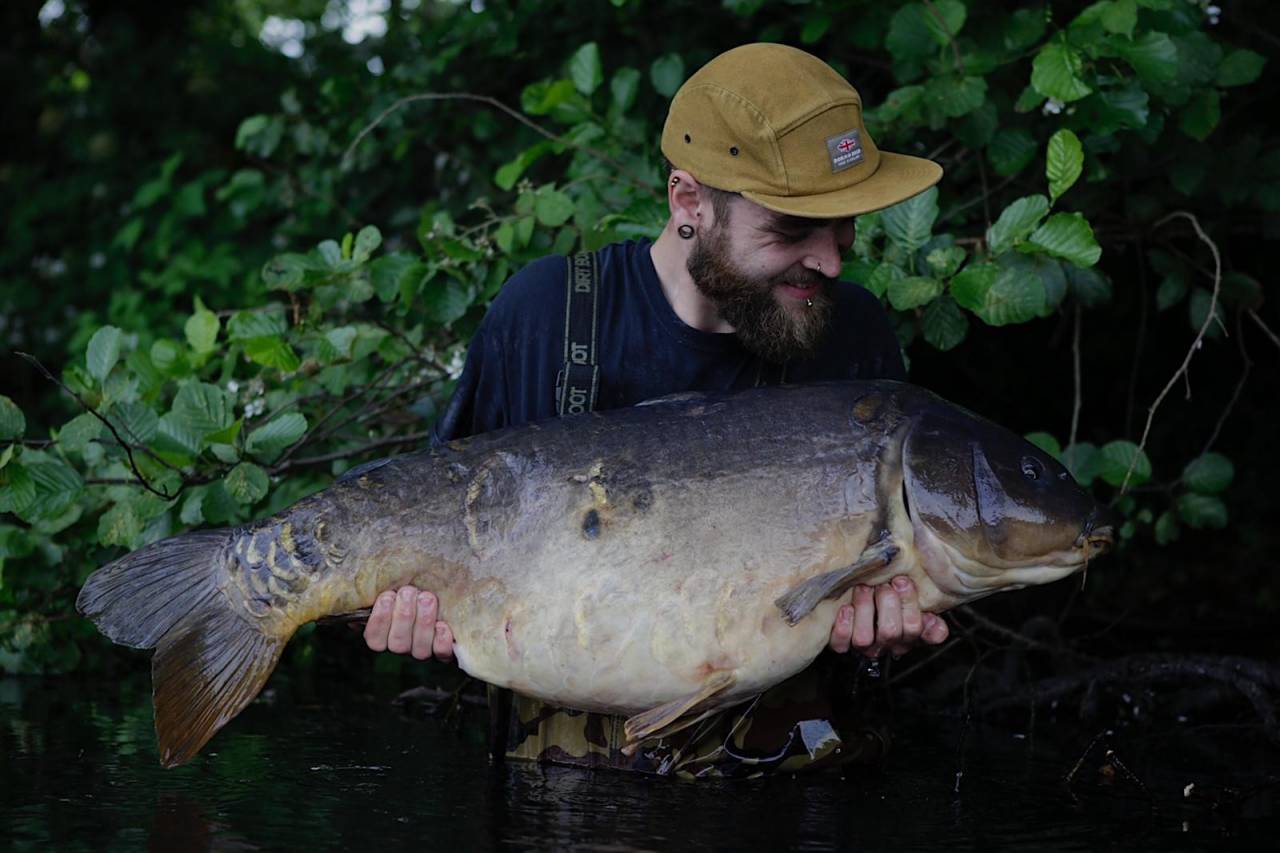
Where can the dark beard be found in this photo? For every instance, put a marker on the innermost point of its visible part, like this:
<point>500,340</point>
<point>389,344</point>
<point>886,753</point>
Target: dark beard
<point>766,327</point>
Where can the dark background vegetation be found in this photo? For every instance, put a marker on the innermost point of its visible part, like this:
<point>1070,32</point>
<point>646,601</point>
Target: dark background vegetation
<point>187,247</point>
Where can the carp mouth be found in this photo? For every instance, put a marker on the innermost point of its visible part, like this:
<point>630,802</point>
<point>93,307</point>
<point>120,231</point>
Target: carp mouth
<point>964,578</point>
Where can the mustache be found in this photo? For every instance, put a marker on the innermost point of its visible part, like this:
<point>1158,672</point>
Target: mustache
<point>800,276</point>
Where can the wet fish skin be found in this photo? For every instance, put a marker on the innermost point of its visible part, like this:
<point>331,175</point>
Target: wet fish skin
<point>628,561</point>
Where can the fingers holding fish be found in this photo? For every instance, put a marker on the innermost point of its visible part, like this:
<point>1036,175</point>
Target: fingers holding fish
<point>911,623</point>
<point>442,642</point>
<point>936,629</point>
<point>378,628</point>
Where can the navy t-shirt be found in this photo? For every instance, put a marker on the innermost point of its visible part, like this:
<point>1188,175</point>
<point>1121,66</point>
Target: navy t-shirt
<point>644,350</point>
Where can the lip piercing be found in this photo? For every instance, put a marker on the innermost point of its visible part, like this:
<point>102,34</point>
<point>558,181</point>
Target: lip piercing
<point>808,303</point>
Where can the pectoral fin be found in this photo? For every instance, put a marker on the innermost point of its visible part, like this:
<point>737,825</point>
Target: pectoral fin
<point>678,714</point>
<point>799,601</point>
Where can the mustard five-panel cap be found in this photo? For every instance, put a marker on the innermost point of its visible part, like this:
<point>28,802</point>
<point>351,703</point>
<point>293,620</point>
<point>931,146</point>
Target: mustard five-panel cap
<point>782,128</point>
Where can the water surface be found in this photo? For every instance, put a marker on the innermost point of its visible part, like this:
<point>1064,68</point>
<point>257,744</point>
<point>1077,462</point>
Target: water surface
<point>322,766</point>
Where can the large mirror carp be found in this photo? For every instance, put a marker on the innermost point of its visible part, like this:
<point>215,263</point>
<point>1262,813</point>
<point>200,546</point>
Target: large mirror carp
<point>661,561</point>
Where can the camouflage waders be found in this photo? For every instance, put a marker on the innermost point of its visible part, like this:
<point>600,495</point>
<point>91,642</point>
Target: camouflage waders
<point>791,727</point>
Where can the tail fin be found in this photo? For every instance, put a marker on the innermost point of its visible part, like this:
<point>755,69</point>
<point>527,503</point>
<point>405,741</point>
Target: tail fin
<point>210,661</point>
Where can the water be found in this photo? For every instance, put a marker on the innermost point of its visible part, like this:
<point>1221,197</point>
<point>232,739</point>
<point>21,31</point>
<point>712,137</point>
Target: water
<point>323,766</point>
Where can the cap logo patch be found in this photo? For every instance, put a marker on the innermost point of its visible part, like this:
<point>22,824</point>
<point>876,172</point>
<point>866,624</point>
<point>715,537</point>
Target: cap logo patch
<point>845,150</point>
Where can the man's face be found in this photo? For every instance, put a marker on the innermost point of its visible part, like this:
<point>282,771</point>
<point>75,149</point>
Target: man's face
<point>760,270</point>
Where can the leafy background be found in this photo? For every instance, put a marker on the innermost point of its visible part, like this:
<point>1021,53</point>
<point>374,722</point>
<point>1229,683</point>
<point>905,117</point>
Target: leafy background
<point>249,241</point>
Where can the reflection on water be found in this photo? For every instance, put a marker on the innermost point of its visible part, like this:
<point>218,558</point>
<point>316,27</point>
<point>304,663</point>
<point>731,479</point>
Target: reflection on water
<point>328,768</point>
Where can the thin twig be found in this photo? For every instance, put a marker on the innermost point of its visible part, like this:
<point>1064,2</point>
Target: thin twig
<point>1182,371</point>
<point>1263,326</point>
<point>361,390</point>
<point>355,451</point>
<point>498,105</point>
<point>128,448</point>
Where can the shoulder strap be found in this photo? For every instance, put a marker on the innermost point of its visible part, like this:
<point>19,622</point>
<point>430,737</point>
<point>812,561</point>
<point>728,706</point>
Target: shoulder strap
<point>579,378</point>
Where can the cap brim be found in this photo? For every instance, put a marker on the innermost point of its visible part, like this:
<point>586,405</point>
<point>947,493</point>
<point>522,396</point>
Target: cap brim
<point>897,178</point>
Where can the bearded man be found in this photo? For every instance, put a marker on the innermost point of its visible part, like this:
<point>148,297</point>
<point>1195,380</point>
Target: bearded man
<point>769,161</point>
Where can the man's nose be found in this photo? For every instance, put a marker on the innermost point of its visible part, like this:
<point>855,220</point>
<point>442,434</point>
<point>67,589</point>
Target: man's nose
<point>825,251</point>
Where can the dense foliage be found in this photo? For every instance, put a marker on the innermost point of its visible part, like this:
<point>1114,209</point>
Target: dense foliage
<point>251,238</point>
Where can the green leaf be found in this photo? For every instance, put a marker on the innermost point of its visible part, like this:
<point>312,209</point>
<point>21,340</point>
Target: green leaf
<point>509,173</point>
<point>256,324</point>
<point>1013,297</point>
<point>910,36</point>
<point>913,291</point>
<point>57,486</point>
<point>1202,511</point>
<point>202,409</point>
<point>1046,442</point>
<point>17,489</point>
<point>1088,285</point>
<point>944,324</point>
<point>12,422</point>
<point>1055,73</point>
<point>910,223</point>
<point>969,288</point>
<point>103,351</point>
<point>388,273</point>
<point>246,483</point>
<point>1010,150</point>
<point>544,96</point>
<point>1120,17</point>
<point>1172,290</point>
<point>883,276</point>
<point>916,32</point>
<point>1016,222</point>
<point>1064,162</point>
<point>815,27</point>
<point>367,241</point>
<point>1068,236</point>
<point>1024,28</point>
<point>1082,460</point>
<point>331,253</point>
<point>1208,474</point>
<point>667,73</point>
<point>445,301</point>
<point>1115,459</point>
<point>623,87</point>
<point>1201,114</point>
<point>1198,312</point>
<point>202,329</point>
<point>584,68</point>
<point>76,433</point>
<point>1153,55</point>
<point>192,513</point>
<point>1240,67</point>
<point>944,20</point>
<point>136,422</point>
<point>944,261</point>
<point>1167,529</point>
<point>286,272</point>
<point>954,96</point>
<point>552,208</point>
<point>272,351</point>
<point>270,439</point>
<point>120,525</point>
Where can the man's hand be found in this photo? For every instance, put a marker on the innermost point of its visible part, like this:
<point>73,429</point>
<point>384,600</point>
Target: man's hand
<point>405,621</point>
<point>885,618</point>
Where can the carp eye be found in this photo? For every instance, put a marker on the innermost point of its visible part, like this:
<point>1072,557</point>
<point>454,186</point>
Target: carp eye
<point>1032,468</point>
